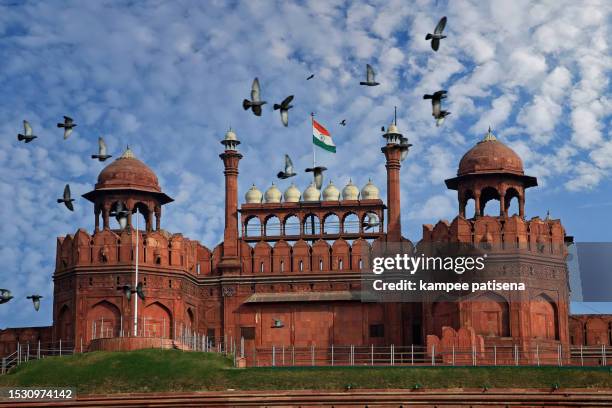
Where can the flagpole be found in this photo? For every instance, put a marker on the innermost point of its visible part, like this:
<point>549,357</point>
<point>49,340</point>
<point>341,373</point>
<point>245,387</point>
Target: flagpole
<point>314,154</point>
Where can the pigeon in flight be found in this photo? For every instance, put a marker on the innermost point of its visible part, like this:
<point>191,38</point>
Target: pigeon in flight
<point>127,290</point>
<point>101,156</point>
<point>317,174</point>
<point>343,122</point>
<point>371,221</point>
<point>289,172</point>
<point>436,106</point>
<point>255,103</point>
<point>370,77</point>
<point>310,77</point>
<point>437,35</point>
<point>404,147</point>
<point>66,199</point>
<point>27,133</point>
<point>35,301</point>
<point>68,125</point>
<point>5,295</point>
<point>284,109</point>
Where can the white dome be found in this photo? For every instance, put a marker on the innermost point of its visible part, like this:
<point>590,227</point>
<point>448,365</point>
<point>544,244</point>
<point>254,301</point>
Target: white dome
<point>253,195</point>
<point>273,194</point>
<point>311,193</point>
<point>292,194</point>
<point>370,191</point>
<point>331,193</point>
<point>230,135</point>
<point>350,191</point>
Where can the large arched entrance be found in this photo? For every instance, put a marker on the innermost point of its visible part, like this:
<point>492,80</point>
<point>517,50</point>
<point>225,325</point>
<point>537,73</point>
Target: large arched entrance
<point>103,320</point>
<point>156,321</point>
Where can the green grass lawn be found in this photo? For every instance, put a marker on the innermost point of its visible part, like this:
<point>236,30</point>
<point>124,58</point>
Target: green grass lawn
<point>172,370</point>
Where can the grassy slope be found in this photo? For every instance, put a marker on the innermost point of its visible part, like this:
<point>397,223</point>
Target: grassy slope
<point>171,370</point>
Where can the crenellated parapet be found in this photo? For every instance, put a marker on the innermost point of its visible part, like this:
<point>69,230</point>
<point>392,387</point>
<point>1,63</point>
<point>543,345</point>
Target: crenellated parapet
<point>111,248</point>
<point>543,236</point>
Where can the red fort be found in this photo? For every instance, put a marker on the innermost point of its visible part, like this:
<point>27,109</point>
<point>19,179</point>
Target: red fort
<point>288,269</point>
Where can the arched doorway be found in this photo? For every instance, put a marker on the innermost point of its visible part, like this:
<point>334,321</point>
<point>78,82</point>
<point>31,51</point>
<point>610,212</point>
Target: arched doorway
<point>103,320</point>
<point>490,315</point>
<point>156,321</point>
<point>445,314</point>
<point>544,318</point>
<point>64,324</point>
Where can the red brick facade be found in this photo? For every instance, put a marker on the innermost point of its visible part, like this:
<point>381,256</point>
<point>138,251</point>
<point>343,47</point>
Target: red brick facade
<point>291,284</point>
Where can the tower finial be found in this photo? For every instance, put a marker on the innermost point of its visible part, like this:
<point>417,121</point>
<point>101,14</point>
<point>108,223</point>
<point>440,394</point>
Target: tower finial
<point>489,136</point>
<point>395,115</point>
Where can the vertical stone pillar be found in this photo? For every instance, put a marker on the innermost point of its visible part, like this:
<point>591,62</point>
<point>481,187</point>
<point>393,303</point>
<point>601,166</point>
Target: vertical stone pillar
<point>392,153</point>
<point>231,158</point>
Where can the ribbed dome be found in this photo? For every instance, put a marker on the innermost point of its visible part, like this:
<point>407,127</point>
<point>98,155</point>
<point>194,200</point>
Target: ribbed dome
<point>273,194</point>
<point>370,191</point>
<point>292,194</point>
<point>350,191</point>
<point>490,156</point>
<point>331,193</point>
<point>311,193</point>
<point>253,195</point>
<point>127,172</point>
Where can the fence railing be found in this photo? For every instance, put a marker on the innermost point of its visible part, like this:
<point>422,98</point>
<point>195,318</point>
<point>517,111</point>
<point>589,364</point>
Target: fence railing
<point>35,351</point>
<point>357,355</point>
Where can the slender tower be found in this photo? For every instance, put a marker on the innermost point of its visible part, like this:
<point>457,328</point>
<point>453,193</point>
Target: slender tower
<point>395,152</point>
<point>230,263</point>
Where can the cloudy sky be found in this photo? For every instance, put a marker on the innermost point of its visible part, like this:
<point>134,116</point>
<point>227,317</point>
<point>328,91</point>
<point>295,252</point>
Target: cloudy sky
<point>168,78</point>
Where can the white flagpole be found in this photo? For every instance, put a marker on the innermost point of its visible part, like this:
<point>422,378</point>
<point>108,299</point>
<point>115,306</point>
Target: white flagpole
<point>314,154</point>
<point>136,279</point>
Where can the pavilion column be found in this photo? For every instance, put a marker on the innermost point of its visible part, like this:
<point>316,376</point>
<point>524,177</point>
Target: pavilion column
<point>477,212</point>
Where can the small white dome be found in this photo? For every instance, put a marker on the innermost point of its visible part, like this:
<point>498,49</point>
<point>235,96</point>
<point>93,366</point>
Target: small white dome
<point>253,195</point>
<point>273,194</point>
<point>370,191</point>
<point>311,193</point>
<point>292,194</point>
<point>331,193</point>
<point>350,191</point>
<point>230,135</point>
<point>393,128</point>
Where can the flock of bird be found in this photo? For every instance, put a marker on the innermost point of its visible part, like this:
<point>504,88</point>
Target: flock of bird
<point>255,104</point>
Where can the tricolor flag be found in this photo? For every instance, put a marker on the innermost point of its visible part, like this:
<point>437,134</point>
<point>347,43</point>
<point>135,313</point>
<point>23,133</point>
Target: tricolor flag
<point>322,138</point>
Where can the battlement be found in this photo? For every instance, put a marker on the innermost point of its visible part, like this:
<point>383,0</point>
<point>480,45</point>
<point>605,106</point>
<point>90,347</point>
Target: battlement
<point>158,249</point>
<point>537,235</point>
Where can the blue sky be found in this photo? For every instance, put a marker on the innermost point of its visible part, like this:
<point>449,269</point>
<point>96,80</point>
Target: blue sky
<point>168,78</point>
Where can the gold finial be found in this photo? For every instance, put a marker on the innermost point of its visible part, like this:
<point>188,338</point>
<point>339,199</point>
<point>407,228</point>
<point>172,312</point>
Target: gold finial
<point>489,136</point>
<point>128,154</point>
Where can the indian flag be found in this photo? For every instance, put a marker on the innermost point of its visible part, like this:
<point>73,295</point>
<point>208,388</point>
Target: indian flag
<point>322,138</point>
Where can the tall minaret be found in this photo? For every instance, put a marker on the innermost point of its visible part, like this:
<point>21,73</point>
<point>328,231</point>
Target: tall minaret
<point>231,157</point>
<point>395,152</point>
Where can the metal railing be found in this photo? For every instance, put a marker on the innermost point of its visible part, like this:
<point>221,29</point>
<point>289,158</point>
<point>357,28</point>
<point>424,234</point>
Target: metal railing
<point>413,355</point>
<point>35,351</point>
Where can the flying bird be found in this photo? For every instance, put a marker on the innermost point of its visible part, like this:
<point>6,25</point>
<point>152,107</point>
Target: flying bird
<point>35,301</point>
<point>255,103</point>
<point>128,291</point>
<point>437,35</point>
<point>284,109</point>
<point>27,133</point>
<point>310,77</point>
<point>289,172</point>
<point>436,106</point>
<point>440,118</point>
<point>5,296</point>
<point>371,221</point>
<point>343,122</point>
<point>101,156</point>
<point>66,199</point>
<point>317,174</point>
<point>370,77</point>
<point>68,125</point>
